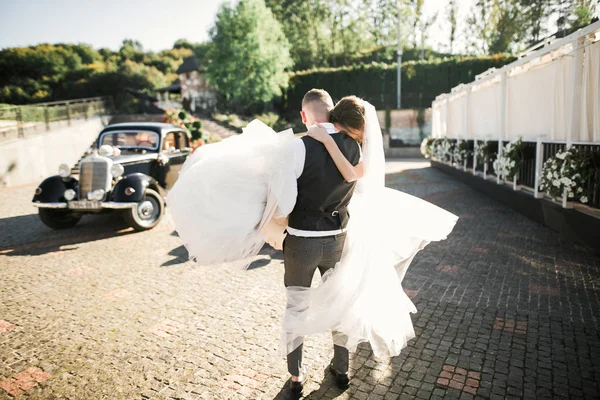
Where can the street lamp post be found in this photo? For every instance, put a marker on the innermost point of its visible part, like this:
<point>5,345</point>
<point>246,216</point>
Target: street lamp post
<point>399,78</point>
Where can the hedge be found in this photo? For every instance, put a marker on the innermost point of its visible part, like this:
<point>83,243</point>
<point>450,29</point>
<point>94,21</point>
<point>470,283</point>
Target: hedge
<point>422,81</point>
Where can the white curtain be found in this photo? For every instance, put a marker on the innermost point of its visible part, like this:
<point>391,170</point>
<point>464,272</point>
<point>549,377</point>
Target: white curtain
<point>562,107</point>
<point>456,116</point>
<point>530,102</point>
<point>485,111</point>
<point>436,123</point>
<point>590,104</point>
<point>443,107</point>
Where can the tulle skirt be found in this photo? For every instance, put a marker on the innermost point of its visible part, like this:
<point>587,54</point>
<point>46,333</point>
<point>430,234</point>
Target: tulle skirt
<point>227,193</point>
<point>362,299</point>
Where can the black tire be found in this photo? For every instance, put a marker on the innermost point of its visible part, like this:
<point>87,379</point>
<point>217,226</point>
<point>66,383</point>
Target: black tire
<point>58,218</point>
<point>148,213</point>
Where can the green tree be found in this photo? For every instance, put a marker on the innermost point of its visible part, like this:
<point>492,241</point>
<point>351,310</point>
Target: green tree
<point>535,14</point>
<point>495,26</point>
<point>583,13</point>
<point>508,31</point>
<point>249,56</point>
<point>305,26</point>
<point>382,16</point>
<point>183,44</point>
<point>131,50</point>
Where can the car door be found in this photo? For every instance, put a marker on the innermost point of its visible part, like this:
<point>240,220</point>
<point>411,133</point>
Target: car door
<point>178,150</point>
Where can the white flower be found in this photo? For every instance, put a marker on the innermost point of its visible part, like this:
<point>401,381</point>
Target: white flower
<point>579,190</point>
<point>556,183</point>
<point>571,195</point>
<point>549,176</point>
<point>565,180</point>
<point>583,199</point>
<point>561,156</point>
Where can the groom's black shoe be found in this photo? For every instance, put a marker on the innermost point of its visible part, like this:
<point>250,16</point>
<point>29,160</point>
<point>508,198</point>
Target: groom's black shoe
<point>341,380</point>
<point>296,387</point>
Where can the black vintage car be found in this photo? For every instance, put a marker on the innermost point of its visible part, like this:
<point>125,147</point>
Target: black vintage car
<point>129,169</point>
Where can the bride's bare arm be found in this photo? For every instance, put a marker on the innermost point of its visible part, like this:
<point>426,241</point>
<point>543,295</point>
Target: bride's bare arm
<point>350,172</point>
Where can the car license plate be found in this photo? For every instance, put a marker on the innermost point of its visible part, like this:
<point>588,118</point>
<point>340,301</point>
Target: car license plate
<point>85,205</point>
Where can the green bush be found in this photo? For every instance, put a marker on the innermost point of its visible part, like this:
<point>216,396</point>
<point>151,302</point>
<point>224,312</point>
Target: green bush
<point>422,81</point>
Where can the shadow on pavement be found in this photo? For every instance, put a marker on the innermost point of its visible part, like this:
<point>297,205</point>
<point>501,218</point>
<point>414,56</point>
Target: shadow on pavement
<point>327,386</point>
<point>26,235</point>
<point>181,256</point>
<point>261,262</point>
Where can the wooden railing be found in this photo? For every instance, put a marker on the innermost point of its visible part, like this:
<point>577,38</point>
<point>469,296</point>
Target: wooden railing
<point>21,121</point>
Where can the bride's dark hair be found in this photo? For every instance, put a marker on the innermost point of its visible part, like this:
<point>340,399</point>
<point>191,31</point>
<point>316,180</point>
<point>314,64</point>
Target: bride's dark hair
<point>349,114</point>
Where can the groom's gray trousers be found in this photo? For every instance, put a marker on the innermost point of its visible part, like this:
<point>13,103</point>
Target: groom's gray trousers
<point>301,257</point>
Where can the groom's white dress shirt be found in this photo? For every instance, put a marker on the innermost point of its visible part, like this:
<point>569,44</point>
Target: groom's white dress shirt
<point>299,157</point>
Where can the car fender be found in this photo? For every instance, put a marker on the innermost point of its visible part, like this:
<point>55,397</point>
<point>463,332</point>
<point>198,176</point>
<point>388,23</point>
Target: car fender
<point>53,189</point>
<point>139,183</point>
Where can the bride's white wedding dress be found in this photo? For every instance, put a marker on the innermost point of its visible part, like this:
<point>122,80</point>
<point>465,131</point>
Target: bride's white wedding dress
<point>228,192</point>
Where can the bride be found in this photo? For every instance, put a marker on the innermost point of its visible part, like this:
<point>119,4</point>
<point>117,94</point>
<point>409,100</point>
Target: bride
<point>230,195</point>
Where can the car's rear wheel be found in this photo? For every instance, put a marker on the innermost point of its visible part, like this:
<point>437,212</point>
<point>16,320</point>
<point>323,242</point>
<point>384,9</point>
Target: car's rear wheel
<point>59,219</point>
<point>147,213</point>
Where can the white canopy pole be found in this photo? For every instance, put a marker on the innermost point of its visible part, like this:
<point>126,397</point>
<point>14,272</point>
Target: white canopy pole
<point>573,127</point>
<point>503,99</point>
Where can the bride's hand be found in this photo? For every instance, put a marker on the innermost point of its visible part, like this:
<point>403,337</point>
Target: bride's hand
<point>319,133</point>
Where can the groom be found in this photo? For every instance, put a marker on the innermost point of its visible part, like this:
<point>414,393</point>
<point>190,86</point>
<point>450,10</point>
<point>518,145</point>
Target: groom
<point>317,225</point>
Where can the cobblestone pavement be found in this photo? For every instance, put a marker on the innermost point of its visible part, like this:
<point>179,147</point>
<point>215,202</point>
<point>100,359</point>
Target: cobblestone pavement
<point>506,310</point>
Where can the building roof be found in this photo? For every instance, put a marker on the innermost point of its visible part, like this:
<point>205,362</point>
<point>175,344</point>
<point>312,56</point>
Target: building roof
<point>189,64</point>
<point>174,87</point>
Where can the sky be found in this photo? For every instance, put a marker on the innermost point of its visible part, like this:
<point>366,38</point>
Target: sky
<point>157,24</point>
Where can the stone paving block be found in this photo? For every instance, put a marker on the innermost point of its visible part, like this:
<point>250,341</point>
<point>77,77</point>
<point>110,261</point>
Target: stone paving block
<point>116,295</point>
<point>24,381</point>
<point>459,378</point>
<point>447,268</point>
<point>510,325</point>
<point>6,326</point>
<point>480,250</point>
<point>166,328</point>
<point>82,271</point>
<point>538,289</point>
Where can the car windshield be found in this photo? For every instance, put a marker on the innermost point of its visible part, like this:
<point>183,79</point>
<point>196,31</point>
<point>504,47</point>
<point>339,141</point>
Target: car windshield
<point>131,139</point>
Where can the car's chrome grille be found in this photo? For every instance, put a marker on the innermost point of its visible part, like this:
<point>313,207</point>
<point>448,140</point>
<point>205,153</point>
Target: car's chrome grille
<point>94,173</point>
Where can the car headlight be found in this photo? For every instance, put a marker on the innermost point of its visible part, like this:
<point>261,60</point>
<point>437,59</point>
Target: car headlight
<point>64,171</point>
<point>106,150</point>
<point>98,194</point>
<point>117,170</point>
<point>69,194</point>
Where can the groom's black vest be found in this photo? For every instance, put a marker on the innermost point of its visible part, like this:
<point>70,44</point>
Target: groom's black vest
<point>323,194</point>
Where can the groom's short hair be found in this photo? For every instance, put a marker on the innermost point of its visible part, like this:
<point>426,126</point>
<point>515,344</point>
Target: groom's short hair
<point>318,100</point>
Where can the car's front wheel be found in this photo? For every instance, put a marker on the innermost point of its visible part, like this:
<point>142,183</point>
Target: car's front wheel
<point>59,219</point>
<point>147,213</point>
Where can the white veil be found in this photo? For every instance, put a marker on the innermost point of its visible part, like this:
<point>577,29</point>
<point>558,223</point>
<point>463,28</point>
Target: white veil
<point>362,299</point>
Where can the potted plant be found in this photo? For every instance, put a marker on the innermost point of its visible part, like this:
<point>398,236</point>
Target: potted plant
<point>508,165</point>
<point>565,176</point>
